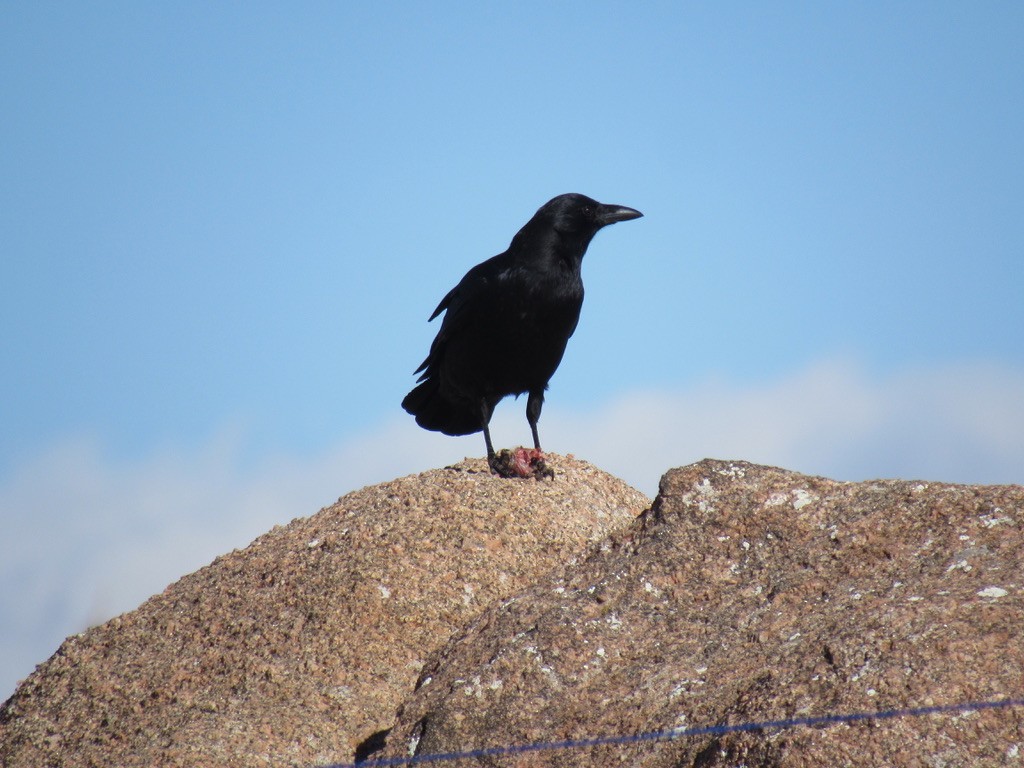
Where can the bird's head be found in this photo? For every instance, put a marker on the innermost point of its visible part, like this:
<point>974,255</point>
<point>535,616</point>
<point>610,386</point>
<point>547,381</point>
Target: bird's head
<point>576,215</point>
<point>565,225</point>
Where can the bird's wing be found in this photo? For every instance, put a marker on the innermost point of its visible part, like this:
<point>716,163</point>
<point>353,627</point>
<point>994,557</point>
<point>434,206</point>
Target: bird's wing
<point>445,302</point>
<point>465,303</point>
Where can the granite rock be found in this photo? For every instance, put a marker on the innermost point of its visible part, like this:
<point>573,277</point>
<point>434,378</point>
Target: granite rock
<point>749,593</point>
<point>300,647</point>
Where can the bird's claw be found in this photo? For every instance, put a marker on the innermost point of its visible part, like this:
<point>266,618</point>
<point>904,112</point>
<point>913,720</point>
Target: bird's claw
<point>522,462</point>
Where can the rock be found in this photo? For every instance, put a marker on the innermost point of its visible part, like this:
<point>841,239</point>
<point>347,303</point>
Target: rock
<point>749,593</point>
<point>300,647</point>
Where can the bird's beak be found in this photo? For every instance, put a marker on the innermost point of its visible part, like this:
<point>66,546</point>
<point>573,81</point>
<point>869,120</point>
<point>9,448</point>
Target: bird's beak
<point>609,214</point>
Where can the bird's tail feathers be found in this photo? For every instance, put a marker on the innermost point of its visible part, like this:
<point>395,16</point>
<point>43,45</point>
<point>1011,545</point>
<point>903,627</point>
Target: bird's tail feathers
<point>435,412</point>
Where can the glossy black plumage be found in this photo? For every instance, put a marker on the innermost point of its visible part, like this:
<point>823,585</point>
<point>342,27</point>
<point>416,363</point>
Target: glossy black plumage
<point>507,322</point>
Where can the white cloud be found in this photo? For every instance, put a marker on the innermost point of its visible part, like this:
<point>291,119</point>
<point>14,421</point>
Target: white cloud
<point>88,536</point>
<point>956,423</point>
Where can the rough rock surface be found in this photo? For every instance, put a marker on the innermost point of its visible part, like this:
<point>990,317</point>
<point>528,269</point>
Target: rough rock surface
<point>750,593</point>
<point>299,647</point>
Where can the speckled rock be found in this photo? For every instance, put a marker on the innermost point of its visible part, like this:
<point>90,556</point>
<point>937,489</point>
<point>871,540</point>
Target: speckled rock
<point>747,594</point>
<point>298,648</point>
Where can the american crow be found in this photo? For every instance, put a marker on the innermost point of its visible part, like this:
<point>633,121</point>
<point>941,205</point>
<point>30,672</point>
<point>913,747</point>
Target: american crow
<point>507,322</point>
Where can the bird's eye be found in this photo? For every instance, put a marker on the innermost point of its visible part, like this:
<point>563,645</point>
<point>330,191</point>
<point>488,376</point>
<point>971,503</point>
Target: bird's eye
<point>588,211</point>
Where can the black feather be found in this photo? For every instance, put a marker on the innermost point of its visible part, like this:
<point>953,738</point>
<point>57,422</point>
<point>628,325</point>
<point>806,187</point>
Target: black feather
<point>508,320</point>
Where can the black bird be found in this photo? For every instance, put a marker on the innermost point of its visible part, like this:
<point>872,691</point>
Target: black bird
<point>507,322</point>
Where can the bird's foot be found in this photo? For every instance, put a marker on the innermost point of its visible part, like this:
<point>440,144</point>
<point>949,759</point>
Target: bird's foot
<point>522,462</point>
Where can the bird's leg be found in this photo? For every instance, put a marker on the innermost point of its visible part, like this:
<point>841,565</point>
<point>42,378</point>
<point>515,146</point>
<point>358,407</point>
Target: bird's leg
<point>486,409</point>
<point>500,464</point>
<point>535,458</point>
<point>533,406</point>
<point>520,462</point>
<point>490,448</point>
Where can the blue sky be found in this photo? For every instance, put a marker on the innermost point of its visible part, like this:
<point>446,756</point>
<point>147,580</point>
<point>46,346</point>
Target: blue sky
<point>224,227</point>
